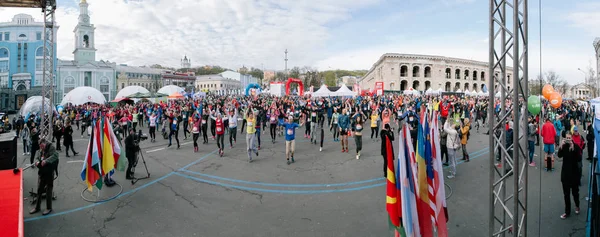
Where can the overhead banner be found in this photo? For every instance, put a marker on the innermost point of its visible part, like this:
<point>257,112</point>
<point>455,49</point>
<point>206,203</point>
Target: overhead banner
<point>379,88</point>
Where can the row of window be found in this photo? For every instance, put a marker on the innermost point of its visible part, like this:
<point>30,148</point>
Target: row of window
<point>38,36</point>
<point>140,75</point>
<point>145,85</point>
<point>227,86</point>
<point>416,72</point>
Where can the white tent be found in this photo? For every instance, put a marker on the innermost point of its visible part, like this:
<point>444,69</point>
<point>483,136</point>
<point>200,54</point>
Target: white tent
<point>33,105</point>
<point>130,90</point>
<point>458,91</point>
<point>410,91</point>
<point>322,92</point>
<point>344,91</point>
<point>481,93</point>
<point>467,92</point>
<point>430,91</point>
<point>82,95</point>
<point>440,91</point>
<point>171,89</point>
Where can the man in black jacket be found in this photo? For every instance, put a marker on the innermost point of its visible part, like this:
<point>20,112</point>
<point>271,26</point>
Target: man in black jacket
<point>130,151</point>
<point>386,134</point>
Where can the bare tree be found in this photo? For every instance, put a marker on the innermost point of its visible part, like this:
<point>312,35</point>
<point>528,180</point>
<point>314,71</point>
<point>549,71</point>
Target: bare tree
<point>556,81</point>
<point>591,81</point>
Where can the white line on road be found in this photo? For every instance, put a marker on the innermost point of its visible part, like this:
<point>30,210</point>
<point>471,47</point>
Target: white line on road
<point>75,161</point>
<point>162,148</point>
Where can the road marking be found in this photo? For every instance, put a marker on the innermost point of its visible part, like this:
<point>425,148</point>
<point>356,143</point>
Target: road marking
<point>155,150</point>
<point>75,161</point>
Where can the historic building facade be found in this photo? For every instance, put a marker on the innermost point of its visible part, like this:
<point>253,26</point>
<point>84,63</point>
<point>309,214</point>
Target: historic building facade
<point>218,84</point>
<point>149,78</point>
<point>84,70</point>
<point>400,72</point>
<point>21,60</point>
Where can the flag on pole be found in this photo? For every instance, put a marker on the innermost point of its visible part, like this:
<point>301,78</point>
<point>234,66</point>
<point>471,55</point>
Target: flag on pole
<point>423,195</point>
<point>391,199</point>
<point>91,171</point>
<point>441,212</point>
<point>110,148</point>
<point>410,216</point>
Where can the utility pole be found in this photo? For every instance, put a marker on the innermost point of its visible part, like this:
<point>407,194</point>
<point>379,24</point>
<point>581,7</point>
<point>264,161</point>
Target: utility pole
<point>286,59</point>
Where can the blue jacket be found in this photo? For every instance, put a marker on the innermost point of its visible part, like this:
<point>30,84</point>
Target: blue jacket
<point>558,127</point>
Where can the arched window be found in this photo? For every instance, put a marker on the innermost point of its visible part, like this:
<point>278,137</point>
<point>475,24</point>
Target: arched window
<point>104,85</point>
<point>457,74</point>
<point>467,75</point>
<point>474,75</point>
<point>483,76</point>
<point>457,86</point>
<point>68,85</point>
<point>466,87</point>
<point>39,59</point>
<point>4,61</point>
<point>86,41</point>
<point>39,52</point>
<point>427,71</point>
<point>448,73</point>
<point>403,71</point>
<point>474,87</point>
<point>416,71</point>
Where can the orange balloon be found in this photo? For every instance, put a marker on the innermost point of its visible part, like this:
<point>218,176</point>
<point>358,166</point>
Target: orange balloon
<point>555,100</point>
<point>547,91</point>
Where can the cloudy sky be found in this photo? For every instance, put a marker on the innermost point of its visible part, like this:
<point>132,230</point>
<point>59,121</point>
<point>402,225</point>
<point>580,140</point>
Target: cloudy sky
<point>337,34</point>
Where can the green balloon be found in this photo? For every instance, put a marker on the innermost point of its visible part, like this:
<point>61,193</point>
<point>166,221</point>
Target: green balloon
<point>534,104</point>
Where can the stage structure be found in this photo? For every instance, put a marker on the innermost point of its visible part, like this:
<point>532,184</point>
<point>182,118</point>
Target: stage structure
<point>48,9</point>
<point>508,46</point>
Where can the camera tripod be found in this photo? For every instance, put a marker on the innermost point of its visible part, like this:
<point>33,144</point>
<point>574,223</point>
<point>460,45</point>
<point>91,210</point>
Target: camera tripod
<point>137,158</point>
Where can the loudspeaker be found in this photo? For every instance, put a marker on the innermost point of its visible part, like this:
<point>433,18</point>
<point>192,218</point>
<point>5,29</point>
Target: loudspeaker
<point>8,151</point>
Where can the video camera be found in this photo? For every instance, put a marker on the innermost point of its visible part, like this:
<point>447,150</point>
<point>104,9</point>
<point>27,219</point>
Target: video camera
<point>139,137</point>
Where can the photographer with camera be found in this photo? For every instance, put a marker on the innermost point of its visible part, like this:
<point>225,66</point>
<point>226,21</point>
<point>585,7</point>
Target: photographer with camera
<point>47,162</point>
<point>570,173</point>
<point>131,148</point>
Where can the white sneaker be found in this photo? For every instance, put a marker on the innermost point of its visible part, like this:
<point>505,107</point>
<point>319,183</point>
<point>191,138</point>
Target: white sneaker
<point>320,148</point>
<point>24,153</point>
<point>357,157</point>
<point>450,176</point>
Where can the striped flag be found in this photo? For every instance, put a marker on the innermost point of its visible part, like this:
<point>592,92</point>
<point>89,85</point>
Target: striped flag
<point>441,212</point>
<point>410,216</point>
<point>110,148</point>
<point>424,173</point>
<point>391,199</point>
<point>91,171</point>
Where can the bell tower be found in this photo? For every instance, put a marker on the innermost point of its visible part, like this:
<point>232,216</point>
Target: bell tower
<point>85,50</point>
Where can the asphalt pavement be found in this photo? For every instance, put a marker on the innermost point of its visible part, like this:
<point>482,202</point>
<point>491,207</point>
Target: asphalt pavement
<point>326,193</point>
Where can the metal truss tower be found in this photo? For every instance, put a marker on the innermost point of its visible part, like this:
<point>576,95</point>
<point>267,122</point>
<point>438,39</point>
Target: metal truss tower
<point>508,51</point>
<point>48,9</point>
<point>48,68</point>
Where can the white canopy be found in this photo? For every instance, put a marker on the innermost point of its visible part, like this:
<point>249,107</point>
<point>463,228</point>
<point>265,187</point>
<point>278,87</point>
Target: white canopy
<point>467,92</point>
<point>410,91</point>
<point>481,93</point>
<point>170,89</point>
<point>498,94</point>
<point>33,105</point>
<point>322,92</point>
<point>458,91</point>
<point>430,91</point>
<point>344,91</point>
<point>130,90</point>
<point>82,95</point>
<point>440,90</point>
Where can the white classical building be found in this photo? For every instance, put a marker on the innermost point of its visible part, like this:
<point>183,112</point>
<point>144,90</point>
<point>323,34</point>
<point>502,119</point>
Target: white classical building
<point>84,70</point>
<point>400,72</point>
<point>579,91</point>
<point>218,84</point>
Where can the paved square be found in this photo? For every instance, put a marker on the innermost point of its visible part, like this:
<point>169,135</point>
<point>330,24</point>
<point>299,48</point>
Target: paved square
<point>326,193</point>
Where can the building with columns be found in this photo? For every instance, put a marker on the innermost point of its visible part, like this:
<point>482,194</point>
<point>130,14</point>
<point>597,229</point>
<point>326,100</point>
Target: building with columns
<point>21,60</point>
<point>84,70</point>
<point>579,91</point>
<point>400,72</point>
<point>218,84</point>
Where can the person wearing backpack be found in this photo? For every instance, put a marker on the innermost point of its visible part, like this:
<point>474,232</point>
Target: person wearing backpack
<point>464,137</point>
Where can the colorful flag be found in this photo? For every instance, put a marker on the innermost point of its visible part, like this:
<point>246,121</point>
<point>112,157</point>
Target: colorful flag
<point>441,212</point>
<point>391,199</point>
<point>115,144</point>
<point>108,159</point>
<point>423,195</point>
<point>410,216</point>
<point>91,172</point>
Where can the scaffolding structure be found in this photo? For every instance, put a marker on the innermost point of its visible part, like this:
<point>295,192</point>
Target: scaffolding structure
<point>48,9</point>
<point>508,45</point>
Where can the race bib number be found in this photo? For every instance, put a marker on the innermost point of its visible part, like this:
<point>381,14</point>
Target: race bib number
<point>314,114</point>
<point>174,122</point>
<point>272,119</point>
<point>184,116</point>
<point>290,132</point>
<point>250,124</point>
<point>219,129</point>
<point>195,129</point>
<point>358,127</point>
<point>203,121</point>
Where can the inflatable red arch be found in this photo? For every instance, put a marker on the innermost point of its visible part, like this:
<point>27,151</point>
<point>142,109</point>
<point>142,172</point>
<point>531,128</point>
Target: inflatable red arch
<point>297,81</point>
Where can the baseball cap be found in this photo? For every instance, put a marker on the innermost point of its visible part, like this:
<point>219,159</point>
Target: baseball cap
<point>575,129</point>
